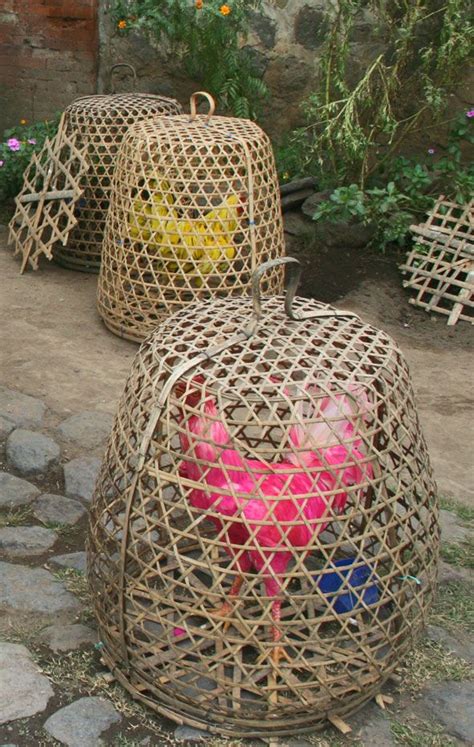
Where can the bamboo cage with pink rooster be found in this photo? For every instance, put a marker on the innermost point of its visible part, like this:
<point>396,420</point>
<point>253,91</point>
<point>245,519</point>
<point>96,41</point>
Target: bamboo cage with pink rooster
<point>195,209</point>
<point>264,531</point>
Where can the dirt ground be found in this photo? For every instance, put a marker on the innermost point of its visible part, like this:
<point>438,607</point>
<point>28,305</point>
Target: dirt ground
<point>54,346</point>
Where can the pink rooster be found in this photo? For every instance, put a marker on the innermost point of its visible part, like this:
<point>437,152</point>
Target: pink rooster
<point>263,511</point>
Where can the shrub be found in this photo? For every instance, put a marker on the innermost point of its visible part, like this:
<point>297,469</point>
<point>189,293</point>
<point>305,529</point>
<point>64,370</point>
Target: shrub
<point>18,145</point>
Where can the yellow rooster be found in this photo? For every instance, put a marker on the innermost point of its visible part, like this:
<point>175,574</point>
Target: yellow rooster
<point>204,244</point>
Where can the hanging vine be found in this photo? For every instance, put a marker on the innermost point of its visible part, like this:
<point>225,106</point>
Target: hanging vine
<point>354,126</point>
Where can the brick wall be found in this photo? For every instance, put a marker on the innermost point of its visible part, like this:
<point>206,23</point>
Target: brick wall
<point>48,56</point>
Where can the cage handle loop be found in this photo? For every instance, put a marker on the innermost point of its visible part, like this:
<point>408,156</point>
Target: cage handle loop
<point>193,104</point>
<point>130,67</point>
<point>295,270</point>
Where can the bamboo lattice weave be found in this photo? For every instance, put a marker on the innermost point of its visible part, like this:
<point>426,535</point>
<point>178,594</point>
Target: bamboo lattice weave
<point>439,269</point>
<point>195,209</point>
<point>310,455</point>
<point>100,122</point>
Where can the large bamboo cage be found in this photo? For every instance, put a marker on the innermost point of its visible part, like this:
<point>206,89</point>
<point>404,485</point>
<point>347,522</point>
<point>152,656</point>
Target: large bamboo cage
<point>439,268</point>
<point>195,209</point>
<point>102,121</point>
<point>264,531</point>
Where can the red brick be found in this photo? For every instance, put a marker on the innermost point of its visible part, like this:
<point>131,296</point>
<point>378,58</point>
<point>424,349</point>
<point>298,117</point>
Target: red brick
<point>49,51</point>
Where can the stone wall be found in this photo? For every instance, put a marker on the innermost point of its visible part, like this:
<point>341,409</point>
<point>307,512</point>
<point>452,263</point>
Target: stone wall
<point>285,41</point>
<point>48,56</point>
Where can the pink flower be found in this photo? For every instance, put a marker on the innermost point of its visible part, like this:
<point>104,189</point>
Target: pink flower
<point>470,113</point>
<point>13,143</point>
<point>1,164</point>
<point>431,151</point>
<point>32,141</point>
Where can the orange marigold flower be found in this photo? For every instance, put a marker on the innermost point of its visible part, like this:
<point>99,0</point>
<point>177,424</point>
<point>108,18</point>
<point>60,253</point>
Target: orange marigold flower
<point>198,4</point>
<point>122,24</point>
<point>225,10</point>
<point>23,121</point>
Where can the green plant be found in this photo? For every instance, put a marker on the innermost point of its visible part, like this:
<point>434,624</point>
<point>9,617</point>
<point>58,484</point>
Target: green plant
<point>206,38</point>
<point>18,145</point>
<point>390,207</point>
<point>356,123</point>
<point>384,209</point>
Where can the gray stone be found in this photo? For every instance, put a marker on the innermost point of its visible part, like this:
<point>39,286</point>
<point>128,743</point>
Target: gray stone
<point>189,733</point>
<point>68,637</point>
<point>450,703</point>
<point>75,560</point>
<point>80,476</point>
<point>81,723</point>
<point>56,509</point>
<point>19,542</point>
<point>455,644</point>
<point>372,727</point>
<point>33,590</point>
<point>297,224</point>
<point>88,429</point>
<point>22,409</point>
<point>265,27</point>
<point>311,26</point>
<point>15,492</point>
<point>6,426</point>
<point>452,530</point>
<point>24,691</point>
<point>258,60</point>
<point>31,453</point>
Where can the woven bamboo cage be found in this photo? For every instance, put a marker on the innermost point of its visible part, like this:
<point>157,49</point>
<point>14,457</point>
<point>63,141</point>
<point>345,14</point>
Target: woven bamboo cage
<point>264,530</point>
<point>195,209</point>
<point>440,266</point>
<point>102,121</point>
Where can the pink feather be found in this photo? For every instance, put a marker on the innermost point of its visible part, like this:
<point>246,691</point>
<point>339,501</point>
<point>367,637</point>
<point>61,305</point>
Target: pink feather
<point>280,506</point>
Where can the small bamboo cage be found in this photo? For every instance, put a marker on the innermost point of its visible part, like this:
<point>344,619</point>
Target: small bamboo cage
<point>439,269</point>
<point>101,122</point>
<point>195,209</point>
<point>264,531</point>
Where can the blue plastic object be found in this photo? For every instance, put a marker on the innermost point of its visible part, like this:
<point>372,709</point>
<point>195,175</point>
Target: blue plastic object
<point>346,601</point>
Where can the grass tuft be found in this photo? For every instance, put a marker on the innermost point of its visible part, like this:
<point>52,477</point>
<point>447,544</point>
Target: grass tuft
<point>461,555</point>
<point>428,662</point>
<point>465,513</point>
<point>453,608</point>
<point>420,734</point>
<point>16,517</point>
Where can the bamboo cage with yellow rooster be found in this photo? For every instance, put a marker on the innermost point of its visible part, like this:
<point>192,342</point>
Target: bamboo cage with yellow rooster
<point>100,122</point>
<point>264,531</point>
<point>195,209</point>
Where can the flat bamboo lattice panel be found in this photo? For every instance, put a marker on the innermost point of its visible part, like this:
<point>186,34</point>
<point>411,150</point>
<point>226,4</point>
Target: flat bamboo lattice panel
<point>440,267</point>
<point>195,209</point>
<point>251,454</point>
<point>100,122</point>
<point>44,214</point>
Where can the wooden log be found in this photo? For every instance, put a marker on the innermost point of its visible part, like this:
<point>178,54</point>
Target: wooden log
<point>295,199</point>
<point>308,182</point>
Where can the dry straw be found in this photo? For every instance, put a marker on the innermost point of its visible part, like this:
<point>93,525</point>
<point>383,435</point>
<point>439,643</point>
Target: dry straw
<point>440,267</point>
<point>195,209</point>
<point>101,123</point>
<point>251,452</point>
